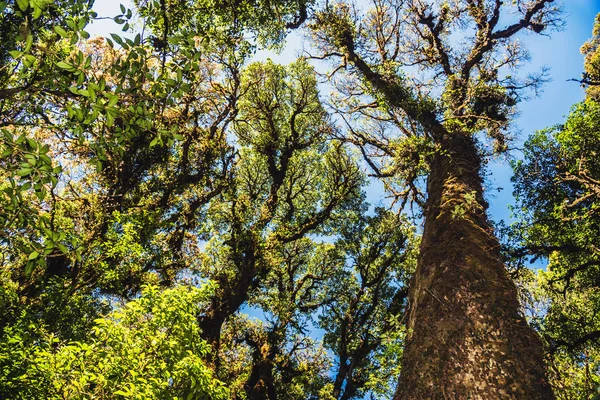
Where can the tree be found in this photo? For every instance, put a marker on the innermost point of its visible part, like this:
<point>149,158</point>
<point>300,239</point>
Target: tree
<point>466,336</point>
<point>149,349</point>
<point>557,197</point>
<point>164,159</point>
<point>167,159</point>
<point>557,189</point>
<point>366,304</point>
<point>281,128</point>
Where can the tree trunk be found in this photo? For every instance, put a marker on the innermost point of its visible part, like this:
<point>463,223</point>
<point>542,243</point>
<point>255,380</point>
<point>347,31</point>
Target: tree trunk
<point>260,384</point>
<point>466,336</point>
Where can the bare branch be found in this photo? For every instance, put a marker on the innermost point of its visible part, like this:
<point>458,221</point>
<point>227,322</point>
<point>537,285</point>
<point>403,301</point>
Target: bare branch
<point>486,37</point>
<point>434,37</point>
<point>526,22</point>
<point>395,92</point>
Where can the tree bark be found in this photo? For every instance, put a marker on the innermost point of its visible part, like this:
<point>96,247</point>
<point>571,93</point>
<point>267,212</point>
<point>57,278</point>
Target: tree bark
<point>466,336</point>
<point>260,384</point>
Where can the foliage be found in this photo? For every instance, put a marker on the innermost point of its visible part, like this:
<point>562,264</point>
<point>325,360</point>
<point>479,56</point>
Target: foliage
<point>591,75</point>
<point>363,315</point>
<point>557,189</point>
<point>157,187</point>
<point>557,186</point>
<point>266,21</point>
<point>562,317</point>
<point>133,165</point>
<point>148,349</point>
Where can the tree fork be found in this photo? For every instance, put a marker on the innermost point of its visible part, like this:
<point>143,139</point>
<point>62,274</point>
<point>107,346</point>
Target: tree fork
<point>466,336</point>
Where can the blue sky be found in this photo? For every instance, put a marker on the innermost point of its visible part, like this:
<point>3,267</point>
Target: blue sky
<point>560,52</point>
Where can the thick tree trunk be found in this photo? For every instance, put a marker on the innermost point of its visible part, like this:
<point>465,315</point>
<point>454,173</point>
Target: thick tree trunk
<point>260,384</point>
<point>466,337</point>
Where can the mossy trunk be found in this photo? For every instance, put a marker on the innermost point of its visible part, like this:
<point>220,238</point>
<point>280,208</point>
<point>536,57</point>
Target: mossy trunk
<point>466,336</point>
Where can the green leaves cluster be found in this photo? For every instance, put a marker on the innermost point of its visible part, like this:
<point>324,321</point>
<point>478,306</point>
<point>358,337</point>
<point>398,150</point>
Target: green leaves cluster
<point>225,21</point>
<point>148,349</point>
<point>136,170</point>
<point>557,189</point>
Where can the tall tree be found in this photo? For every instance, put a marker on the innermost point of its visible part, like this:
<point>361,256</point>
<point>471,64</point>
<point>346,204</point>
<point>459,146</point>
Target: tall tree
<point>160,160</point>
<point>557,190</point>
<point>466,334</point>
<point>288,182</point>
<point>557,187</point>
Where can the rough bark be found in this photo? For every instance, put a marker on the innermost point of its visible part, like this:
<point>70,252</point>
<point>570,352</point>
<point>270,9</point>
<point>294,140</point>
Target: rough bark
<point>261,382</point>
<point>466,336</point>
<point>226,302</point>
<point>260,385</point>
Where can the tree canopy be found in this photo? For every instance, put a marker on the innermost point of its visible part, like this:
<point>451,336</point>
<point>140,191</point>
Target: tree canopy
<point>557,188</point>
<point>181,220</point>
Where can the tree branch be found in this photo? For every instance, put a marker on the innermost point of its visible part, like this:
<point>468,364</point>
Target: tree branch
<point>434,39</point>
<point>525,22</point>
<point>486,36</point>
<point>395,93</point>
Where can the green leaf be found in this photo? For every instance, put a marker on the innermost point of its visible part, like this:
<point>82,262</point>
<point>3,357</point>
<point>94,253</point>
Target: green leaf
<point>113,99</point>
<point>28,43</point>
<point>41,194</point>
<point>23,4</point>
<point>117,38</point>
<point>31,159</point>
<point>110,120</point>
<point>37,12</point>
<point>33,255</point>
<point>65,66</point>
<point>29,268</point>
<point>46,159</point>
<point>61,31</point>
<point>28,60</point>
<point>92,94</point>
<point>155,141</point>
<point>32,144</point>
<point>24,172</point>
